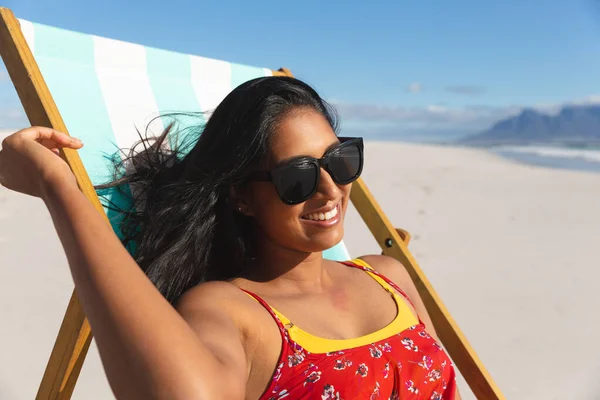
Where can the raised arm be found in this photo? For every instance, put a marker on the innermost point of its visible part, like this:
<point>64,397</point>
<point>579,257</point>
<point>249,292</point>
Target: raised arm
<point>147,348</point>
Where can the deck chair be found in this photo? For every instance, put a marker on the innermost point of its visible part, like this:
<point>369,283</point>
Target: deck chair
<point>99,90</point>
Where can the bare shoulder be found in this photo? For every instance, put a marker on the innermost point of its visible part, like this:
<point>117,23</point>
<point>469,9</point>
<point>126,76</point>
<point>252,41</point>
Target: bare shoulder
<point>221,302</point>
<point>395,271</point>
<point>390,268</point>
<point>214,294</point>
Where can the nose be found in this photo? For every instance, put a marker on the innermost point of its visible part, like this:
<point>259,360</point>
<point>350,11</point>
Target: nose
<point>327,187</point>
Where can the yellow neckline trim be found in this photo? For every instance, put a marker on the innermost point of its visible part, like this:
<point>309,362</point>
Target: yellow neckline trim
<point>318,345</point>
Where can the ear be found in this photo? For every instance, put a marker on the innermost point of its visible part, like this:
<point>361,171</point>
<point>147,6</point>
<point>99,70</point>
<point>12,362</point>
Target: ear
<point>238,201</point>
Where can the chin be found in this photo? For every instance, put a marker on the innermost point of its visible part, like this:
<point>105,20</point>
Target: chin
<point>325,240</point>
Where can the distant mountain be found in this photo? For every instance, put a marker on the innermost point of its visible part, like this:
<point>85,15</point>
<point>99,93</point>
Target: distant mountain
<point>572,125</point>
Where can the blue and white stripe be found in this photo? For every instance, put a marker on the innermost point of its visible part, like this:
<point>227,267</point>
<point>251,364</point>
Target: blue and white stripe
<point>105,89</point>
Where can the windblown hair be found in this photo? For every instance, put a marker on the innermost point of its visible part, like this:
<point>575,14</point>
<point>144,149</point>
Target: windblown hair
<point>179,216</point>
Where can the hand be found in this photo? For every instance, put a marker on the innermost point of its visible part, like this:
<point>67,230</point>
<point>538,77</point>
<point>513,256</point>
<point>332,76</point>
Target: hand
<point>30,160</point>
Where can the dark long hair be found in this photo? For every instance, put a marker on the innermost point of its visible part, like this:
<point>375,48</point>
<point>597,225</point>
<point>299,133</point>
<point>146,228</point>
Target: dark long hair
<point>179,216</point>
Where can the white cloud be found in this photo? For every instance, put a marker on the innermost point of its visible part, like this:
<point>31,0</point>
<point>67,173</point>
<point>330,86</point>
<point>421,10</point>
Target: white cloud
<point>554,108</point>
<point>592,99</point>
<point>12,118</point>
<point>415,87</point>
<point>431,114</point>
<point>466,90</point>
<point>14,113</point>
<point>436,117</point>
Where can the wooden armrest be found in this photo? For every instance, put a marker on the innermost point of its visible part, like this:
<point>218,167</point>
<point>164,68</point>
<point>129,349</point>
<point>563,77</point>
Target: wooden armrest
<point>404,235</point>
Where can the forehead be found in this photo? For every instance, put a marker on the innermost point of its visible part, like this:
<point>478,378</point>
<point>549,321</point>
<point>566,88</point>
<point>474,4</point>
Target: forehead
<point>301,133</point>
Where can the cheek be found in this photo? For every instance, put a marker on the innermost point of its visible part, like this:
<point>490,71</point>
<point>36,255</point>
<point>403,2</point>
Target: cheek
<point>281,222</point>
<point>272,215</point>
<point>346,196</point>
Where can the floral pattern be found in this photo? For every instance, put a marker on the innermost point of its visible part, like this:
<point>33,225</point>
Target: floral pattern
<point>408,365</point>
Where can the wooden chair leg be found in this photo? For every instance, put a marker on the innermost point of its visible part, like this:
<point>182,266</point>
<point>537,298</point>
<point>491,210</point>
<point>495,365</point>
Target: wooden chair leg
<point>68,354</point>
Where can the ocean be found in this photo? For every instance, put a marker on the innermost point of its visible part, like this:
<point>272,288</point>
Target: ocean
<point>579,158</point>
<point>573,158</point>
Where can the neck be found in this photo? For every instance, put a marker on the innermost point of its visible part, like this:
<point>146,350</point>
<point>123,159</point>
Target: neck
<point>288,269</point>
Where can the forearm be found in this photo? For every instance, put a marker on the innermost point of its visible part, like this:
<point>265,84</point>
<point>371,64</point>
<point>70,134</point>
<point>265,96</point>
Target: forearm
<point>147,349</point>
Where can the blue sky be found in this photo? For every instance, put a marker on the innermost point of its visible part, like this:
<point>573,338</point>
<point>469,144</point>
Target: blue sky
<point>405,67</point>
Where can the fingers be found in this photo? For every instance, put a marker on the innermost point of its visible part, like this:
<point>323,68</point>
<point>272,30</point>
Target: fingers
<point>44,135</point>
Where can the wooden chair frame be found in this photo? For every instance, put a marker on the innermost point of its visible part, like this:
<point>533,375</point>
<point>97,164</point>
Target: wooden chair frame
<point>75,335</point>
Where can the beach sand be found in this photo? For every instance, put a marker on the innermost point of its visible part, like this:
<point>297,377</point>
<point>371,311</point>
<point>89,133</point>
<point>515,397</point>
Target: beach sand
<point>511,249</point>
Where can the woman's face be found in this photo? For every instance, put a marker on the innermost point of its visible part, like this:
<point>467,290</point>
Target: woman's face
<point>300,227</point>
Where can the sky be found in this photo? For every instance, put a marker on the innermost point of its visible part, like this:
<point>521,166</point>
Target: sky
<point>390,67</point>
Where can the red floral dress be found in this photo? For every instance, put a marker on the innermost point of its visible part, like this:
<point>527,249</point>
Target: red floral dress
<point>410,364</point>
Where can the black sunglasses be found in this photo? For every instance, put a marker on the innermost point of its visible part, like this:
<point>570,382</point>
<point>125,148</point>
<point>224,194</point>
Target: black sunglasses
<point>298,179</point>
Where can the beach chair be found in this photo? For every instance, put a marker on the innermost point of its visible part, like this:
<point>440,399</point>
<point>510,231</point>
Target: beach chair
<point>100,90</point>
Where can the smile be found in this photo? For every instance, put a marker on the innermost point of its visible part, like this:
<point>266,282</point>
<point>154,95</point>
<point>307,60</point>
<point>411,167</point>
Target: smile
<point>326,216</point>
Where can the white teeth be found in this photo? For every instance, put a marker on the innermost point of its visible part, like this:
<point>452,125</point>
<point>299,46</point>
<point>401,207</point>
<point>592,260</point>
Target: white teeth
<point>322,216</point>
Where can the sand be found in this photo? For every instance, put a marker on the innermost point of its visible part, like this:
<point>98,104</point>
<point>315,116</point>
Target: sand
<point>511,249</point>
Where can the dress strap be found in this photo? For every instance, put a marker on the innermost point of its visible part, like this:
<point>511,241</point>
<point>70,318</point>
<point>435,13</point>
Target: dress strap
<point>361,264</point>
<point>282,322</point>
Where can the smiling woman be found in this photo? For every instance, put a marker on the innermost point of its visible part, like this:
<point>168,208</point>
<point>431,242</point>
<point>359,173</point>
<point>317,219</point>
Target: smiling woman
<point>231,233</point>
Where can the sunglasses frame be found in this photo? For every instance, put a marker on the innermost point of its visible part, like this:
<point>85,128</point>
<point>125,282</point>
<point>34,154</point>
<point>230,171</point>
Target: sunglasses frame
<point>277,173</point>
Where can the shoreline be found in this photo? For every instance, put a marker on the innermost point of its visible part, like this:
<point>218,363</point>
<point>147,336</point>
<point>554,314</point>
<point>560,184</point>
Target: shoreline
<point>584,158</point>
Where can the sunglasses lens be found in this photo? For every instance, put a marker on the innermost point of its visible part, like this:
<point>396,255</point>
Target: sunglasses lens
<point>295,183</point>
<point>345,165</point>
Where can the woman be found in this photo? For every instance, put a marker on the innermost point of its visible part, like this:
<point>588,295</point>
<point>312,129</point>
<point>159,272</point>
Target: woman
<point>231,234</point>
